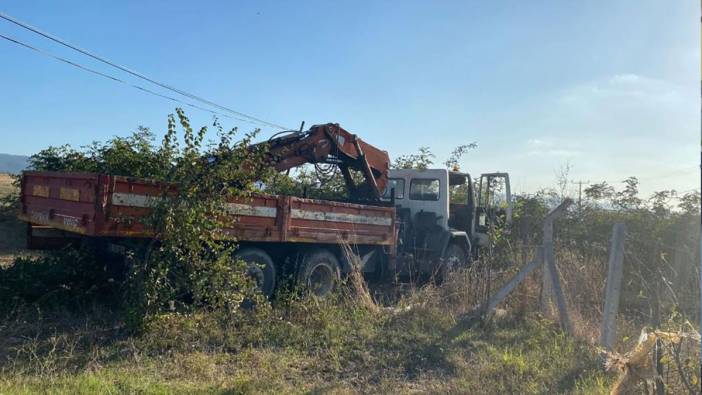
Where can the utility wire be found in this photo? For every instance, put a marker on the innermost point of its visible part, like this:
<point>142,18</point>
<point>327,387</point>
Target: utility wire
<point>134,73</point>
<point>81,67</point>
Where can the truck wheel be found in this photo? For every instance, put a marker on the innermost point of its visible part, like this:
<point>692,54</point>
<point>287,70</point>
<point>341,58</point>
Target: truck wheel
<point>319,273</point>
<point>260,267</point>
<point>454,258</point>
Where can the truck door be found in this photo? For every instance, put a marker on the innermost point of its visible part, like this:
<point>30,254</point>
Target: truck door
<point>494,208</point>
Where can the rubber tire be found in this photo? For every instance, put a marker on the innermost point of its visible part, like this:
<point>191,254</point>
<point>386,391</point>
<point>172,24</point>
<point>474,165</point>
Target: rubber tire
<point>320,263</point>
<point>261,267</point>
<point>454,258</point>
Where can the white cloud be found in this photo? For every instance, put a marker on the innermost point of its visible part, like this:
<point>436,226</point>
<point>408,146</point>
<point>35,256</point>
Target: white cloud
<point>629,95</point>
<point>611,128</point>
<point>539,147</point>
<point>538,143</point>
<point>629,124</point>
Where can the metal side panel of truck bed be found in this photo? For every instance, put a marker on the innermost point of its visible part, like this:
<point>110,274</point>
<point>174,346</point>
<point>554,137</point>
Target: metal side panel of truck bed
<point>114,206</point>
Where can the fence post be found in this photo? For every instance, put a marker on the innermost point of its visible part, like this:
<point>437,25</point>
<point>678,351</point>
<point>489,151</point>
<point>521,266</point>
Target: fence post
<point>546,288</point>
<point>551,285</point>
<point>511,284</point>
<point>614,280</point>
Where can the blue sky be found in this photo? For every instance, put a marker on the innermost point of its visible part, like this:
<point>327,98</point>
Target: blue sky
<point>611,87</point>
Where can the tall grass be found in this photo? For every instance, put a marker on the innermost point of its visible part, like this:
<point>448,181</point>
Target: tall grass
<point>348,343</point>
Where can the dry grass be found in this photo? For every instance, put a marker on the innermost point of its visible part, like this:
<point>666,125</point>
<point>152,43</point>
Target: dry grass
<point>6,186</point>
<point>393,339</point>
<point>308,346</point>
<point>357,285</point>
<point>416,341</point>
<point>12,231</point>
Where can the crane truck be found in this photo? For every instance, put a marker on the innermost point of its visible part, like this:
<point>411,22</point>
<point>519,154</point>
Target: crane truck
<point>397,221</point>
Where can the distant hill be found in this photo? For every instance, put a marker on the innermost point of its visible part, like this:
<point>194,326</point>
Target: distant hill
<point>12,163</point>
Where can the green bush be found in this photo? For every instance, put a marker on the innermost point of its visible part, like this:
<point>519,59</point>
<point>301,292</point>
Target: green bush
<point>189,263</point>
<point>69,278</point>
<point>661,244</point>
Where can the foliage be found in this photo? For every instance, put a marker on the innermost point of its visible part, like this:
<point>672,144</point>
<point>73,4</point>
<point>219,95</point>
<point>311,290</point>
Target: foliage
<point>452,163</point>
<point>661,246</point>
<point>134,155</point>
<point>9,200</point>
<point>189,263</point>
<point>599,191</point>
<point>424,158</point>
<point>70,278</point>
<point>187,291</point>
<point>689,203</point>
<point>192,264</point>
<point>319,182</point>
<point>310,183</point>
<point>421,160</point>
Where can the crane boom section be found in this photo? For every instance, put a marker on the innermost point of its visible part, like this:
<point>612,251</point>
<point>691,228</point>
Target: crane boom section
<point>330,143</point>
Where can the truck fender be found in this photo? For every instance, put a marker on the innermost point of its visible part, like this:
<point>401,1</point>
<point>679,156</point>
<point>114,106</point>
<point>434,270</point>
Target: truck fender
<point>459,237</point>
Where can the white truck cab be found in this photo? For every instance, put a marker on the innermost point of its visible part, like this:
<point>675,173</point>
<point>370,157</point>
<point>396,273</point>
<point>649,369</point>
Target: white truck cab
<point>421,190</point>
<point>438,209</point>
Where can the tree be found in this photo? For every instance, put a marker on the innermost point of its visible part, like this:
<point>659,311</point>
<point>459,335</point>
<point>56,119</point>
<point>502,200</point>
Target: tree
<point>456,155</point>
<point>690,203</point>
<point>599,191</point>
<point>421,160</point>
<point>628,198</point>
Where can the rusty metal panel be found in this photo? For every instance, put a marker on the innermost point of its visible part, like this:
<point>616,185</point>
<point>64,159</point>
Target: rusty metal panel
<point>340,217</point>
<point>60,200</point>
<point>69,194</point>
<point>119,206</point>
<point>331,222</point>
<point>40,191</point>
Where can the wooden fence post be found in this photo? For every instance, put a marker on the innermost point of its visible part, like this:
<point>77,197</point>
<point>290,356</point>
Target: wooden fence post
<point>614,280</point>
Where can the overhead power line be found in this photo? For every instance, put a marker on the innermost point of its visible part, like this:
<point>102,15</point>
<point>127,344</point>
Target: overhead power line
<point>113,78</point>
<point>135,73</point>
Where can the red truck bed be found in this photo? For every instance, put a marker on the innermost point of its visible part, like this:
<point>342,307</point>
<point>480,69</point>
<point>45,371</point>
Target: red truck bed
<point>113,206</point>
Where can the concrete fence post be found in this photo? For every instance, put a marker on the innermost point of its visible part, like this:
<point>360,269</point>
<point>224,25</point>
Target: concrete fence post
<point>608,334</point>
<point>551,286</point>
<point>546,287</point>
<point>511,284</point>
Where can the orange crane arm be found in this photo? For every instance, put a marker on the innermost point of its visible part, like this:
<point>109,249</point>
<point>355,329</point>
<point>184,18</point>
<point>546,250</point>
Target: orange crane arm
<point>330,143</point>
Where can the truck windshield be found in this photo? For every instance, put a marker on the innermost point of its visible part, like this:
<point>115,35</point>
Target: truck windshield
<point>424,189</point>
<point>398,184</point>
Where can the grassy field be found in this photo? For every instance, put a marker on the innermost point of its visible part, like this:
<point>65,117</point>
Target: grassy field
<point>68,337</point>
<point>313,347</point>
<point>417,343</point>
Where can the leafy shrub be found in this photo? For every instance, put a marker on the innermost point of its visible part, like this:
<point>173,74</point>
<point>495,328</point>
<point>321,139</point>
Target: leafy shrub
<point>189,263</point>
<point>661,246</point>
<point>68,278</point>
